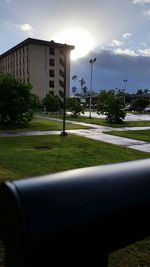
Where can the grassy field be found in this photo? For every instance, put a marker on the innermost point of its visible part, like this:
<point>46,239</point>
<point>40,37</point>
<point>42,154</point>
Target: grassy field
<point>42,125</point>
<point>100,121</point>
<point>20,158</point>
<point>143,135</point>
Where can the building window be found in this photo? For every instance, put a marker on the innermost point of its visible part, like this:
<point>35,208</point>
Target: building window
<point>51,84</point>
<point>52,51</point>
<point>51,62</point>
<point>61,62</point>
<point>61,94</point>
<point>61,73</point>
<point>61,83</point>
<point>51,73</point>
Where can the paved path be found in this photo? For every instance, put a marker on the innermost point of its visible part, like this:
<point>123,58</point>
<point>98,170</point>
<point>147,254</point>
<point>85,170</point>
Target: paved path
<point>95,132</point>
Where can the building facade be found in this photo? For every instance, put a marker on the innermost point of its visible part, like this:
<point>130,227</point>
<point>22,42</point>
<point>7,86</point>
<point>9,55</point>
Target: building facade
<point>46,65</point>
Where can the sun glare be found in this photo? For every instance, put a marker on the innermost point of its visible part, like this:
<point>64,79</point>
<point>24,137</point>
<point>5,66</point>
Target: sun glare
<point>80,38</point>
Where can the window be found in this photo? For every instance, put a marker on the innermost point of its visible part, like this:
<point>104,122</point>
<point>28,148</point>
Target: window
<point>61,94</point>
<point>61,62</point>
<point>61,83</point>
<point>51,73</point>
<point>61,73</point>
<point>52,51</point>
<point>51,62</point>
<point>51,84</point>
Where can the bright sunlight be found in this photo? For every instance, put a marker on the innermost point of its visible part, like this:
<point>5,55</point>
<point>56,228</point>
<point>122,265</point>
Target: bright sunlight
<point>80,38</point>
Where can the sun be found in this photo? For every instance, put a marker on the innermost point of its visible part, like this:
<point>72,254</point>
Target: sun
<point>80,38</point>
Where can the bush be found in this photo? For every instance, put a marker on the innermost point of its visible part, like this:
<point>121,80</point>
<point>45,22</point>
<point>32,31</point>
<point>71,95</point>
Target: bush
<point>52,103</point>
<point>16,101</point>
<point>111,103</point>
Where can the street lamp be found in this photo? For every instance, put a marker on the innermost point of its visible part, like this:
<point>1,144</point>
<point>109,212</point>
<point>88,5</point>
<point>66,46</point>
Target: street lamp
<point>64,133</point>
<point>91,62</point>
<point>125,83</point>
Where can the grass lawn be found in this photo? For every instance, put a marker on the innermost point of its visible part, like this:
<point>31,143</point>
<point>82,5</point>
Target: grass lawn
<point>100,121</point>
<point>19,159</point>
<point>143,135</point>
<point>43,125</point>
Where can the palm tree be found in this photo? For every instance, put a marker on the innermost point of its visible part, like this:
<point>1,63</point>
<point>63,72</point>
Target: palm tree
<point>84,89</point>
<point>75,78</point>
<point>82,82</point>
<point>74,88</point>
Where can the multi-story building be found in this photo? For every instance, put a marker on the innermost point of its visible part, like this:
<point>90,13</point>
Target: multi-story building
<point>46,65</point>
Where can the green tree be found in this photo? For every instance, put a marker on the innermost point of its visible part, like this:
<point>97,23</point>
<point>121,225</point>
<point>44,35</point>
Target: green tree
<point>73,105</point>
<point>111,103</point>
<point>16,101</point>
<point>139,104</point>
<point>52,103</point>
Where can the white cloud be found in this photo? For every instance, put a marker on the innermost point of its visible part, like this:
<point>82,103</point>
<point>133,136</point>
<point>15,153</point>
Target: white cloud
<point>141,1</point>
<point>116,43</point>
<point>8,1</point>
<point>145,52</point>
<point>126,35</point>
<point>146,13</point>
<point>127,52</point>
<point>25,27</point>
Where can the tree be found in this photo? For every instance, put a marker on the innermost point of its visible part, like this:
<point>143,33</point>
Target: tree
<point>16,101</point>
<point>111,103</point>
<point>82,83</point>
<point>73,106</point>
<point>139,104</point>
<point>52,103</point>
<point>74,88</point>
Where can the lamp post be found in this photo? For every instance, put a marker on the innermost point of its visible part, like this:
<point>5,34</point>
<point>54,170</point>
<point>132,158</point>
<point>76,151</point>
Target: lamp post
<point>64,133</point>
<point>125,83</point>
<point>91,62</point>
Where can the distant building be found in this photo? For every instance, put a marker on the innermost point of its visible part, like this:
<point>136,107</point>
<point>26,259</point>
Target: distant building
<point>41,63</point>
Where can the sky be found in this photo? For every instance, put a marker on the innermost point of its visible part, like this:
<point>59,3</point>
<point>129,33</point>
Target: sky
<point>116,32</point>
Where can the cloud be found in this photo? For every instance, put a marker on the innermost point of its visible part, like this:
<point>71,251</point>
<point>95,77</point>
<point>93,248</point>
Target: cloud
<point>8,1</point>
<point>126,35</point>
<point>116,43</point>
<point>146,13</point>
<point>126,51</point>
<point>25,27</point>
<point>145,52</point>
<point>111,69</point>
<point>141,2</point>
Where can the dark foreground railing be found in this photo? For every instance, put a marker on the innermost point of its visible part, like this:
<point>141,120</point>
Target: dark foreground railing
<point>75,218</point>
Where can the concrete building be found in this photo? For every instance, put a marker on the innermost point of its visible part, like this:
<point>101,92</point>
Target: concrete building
<point>41,63</point>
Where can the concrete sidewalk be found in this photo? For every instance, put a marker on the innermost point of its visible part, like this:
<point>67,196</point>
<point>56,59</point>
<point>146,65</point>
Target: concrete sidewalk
<point>95,132</point>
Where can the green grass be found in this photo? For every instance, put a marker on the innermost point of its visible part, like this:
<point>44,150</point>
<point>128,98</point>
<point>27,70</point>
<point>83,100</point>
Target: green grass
<point>42,125</point>
<point>143,135</point>
<point>100,121</point>
<point>19,158</point>
<point>135,255</point>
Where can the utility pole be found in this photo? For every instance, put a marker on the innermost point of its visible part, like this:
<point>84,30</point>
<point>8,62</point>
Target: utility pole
<point>91,62</point>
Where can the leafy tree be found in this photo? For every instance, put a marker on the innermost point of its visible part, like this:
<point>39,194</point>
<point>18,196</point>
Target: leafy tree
<point>73,105</point>
<point>16,101</point>
<point>139,104</point>
<point>139,92</point>
<point>111,103</point>
<point>74,90</point>
<point>52,103</point>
